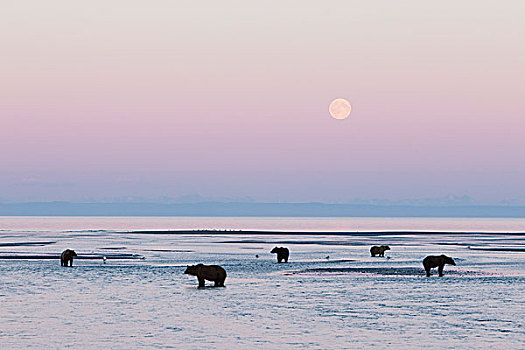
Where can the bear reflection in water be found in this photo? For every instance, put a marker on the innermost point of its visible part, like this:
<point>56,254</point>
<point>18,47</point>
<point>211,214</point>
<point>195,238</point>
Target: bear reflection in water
<point>212,273</point>
<point>432,261</point>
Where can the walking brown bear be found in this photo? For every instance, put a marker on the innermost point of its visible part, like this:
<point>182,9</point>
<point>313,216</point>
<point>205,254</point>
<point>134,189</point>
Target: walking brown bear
<point>282,253</point>
<point>432,261</point>
<point>67,257</point>
<point>212,273</point>
<point>379,251</point>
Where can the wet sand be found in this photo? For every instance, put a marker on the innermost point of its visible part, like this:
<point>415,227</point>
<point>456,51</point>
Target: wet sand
<point>56,256</point>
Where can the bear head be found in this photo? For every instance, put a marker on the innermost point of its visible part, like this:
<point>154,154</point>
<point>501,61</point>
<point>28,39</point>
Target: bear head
<point>193,270</point>
<point>69,252</point>
<point>448,260</point>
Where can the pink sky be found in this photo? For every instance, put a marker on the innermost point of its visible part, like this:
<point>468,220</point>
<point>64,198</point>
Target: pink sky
<point>129,98</point>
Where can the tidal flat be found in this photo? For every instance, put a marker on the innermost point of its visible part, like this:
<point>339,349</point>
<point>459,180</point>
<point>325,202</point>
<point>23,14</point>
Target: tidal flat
<point>331,294</point>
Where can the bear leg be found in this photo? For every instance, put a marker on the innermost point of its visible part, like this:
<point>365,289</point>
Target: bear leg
<point>427,269</point>
<point>219,283</point>
<point>201,282</point>
<point>440,270</point>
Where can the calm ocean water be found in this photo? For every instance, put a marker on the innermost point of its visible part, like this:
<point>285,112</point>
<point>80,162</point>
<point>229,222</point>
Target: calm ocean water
<point>56,224</point>
<point>331,295</point>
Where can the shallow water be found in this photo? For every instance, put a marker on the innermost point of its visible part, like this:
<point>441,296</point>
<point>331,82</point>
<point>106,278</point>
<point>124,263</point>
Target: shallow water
<point>349,300</point>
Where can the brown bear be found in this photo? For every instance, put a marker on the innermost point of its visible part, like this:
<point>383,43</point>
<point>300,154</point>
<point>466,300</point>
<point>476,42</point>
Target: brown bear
<point>67,257</point>
<point>282,253</point>
<point>432,261</point>
<point>379,251</point>
<point>212,273</point>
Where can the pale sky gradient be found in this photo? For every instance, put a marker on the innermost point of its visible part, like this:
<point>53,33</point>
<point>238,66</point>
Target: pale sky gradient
<point>101,99</point>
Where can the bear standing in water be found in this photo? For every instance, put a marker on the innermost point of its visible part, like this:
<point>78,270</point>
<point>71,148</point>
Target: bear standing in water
<point>432,261</point>
<point>282,253</point>
<point>67,257</point>
<point>379,251</point>
<point>212,273</point>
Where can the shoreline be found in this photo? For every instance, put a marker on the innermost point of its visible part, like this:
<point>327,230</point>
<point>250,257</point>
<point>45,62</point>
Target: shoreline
<point>314,233</point>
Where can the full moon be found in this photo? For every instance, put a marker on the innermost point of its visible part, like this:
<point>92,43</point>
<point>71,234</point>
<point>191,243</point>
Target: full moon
<point>340,108</point>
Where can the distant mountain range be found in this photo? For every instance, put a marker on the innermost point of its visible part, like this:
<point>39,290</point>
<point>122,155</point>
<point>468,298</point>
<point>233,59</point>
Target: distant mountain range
<point>216,208</point>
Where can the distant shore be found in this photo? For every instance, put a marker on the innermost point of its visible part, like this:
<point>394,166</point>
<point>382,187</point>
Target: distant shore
<point>314,233</point>
<point>255,209</point>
